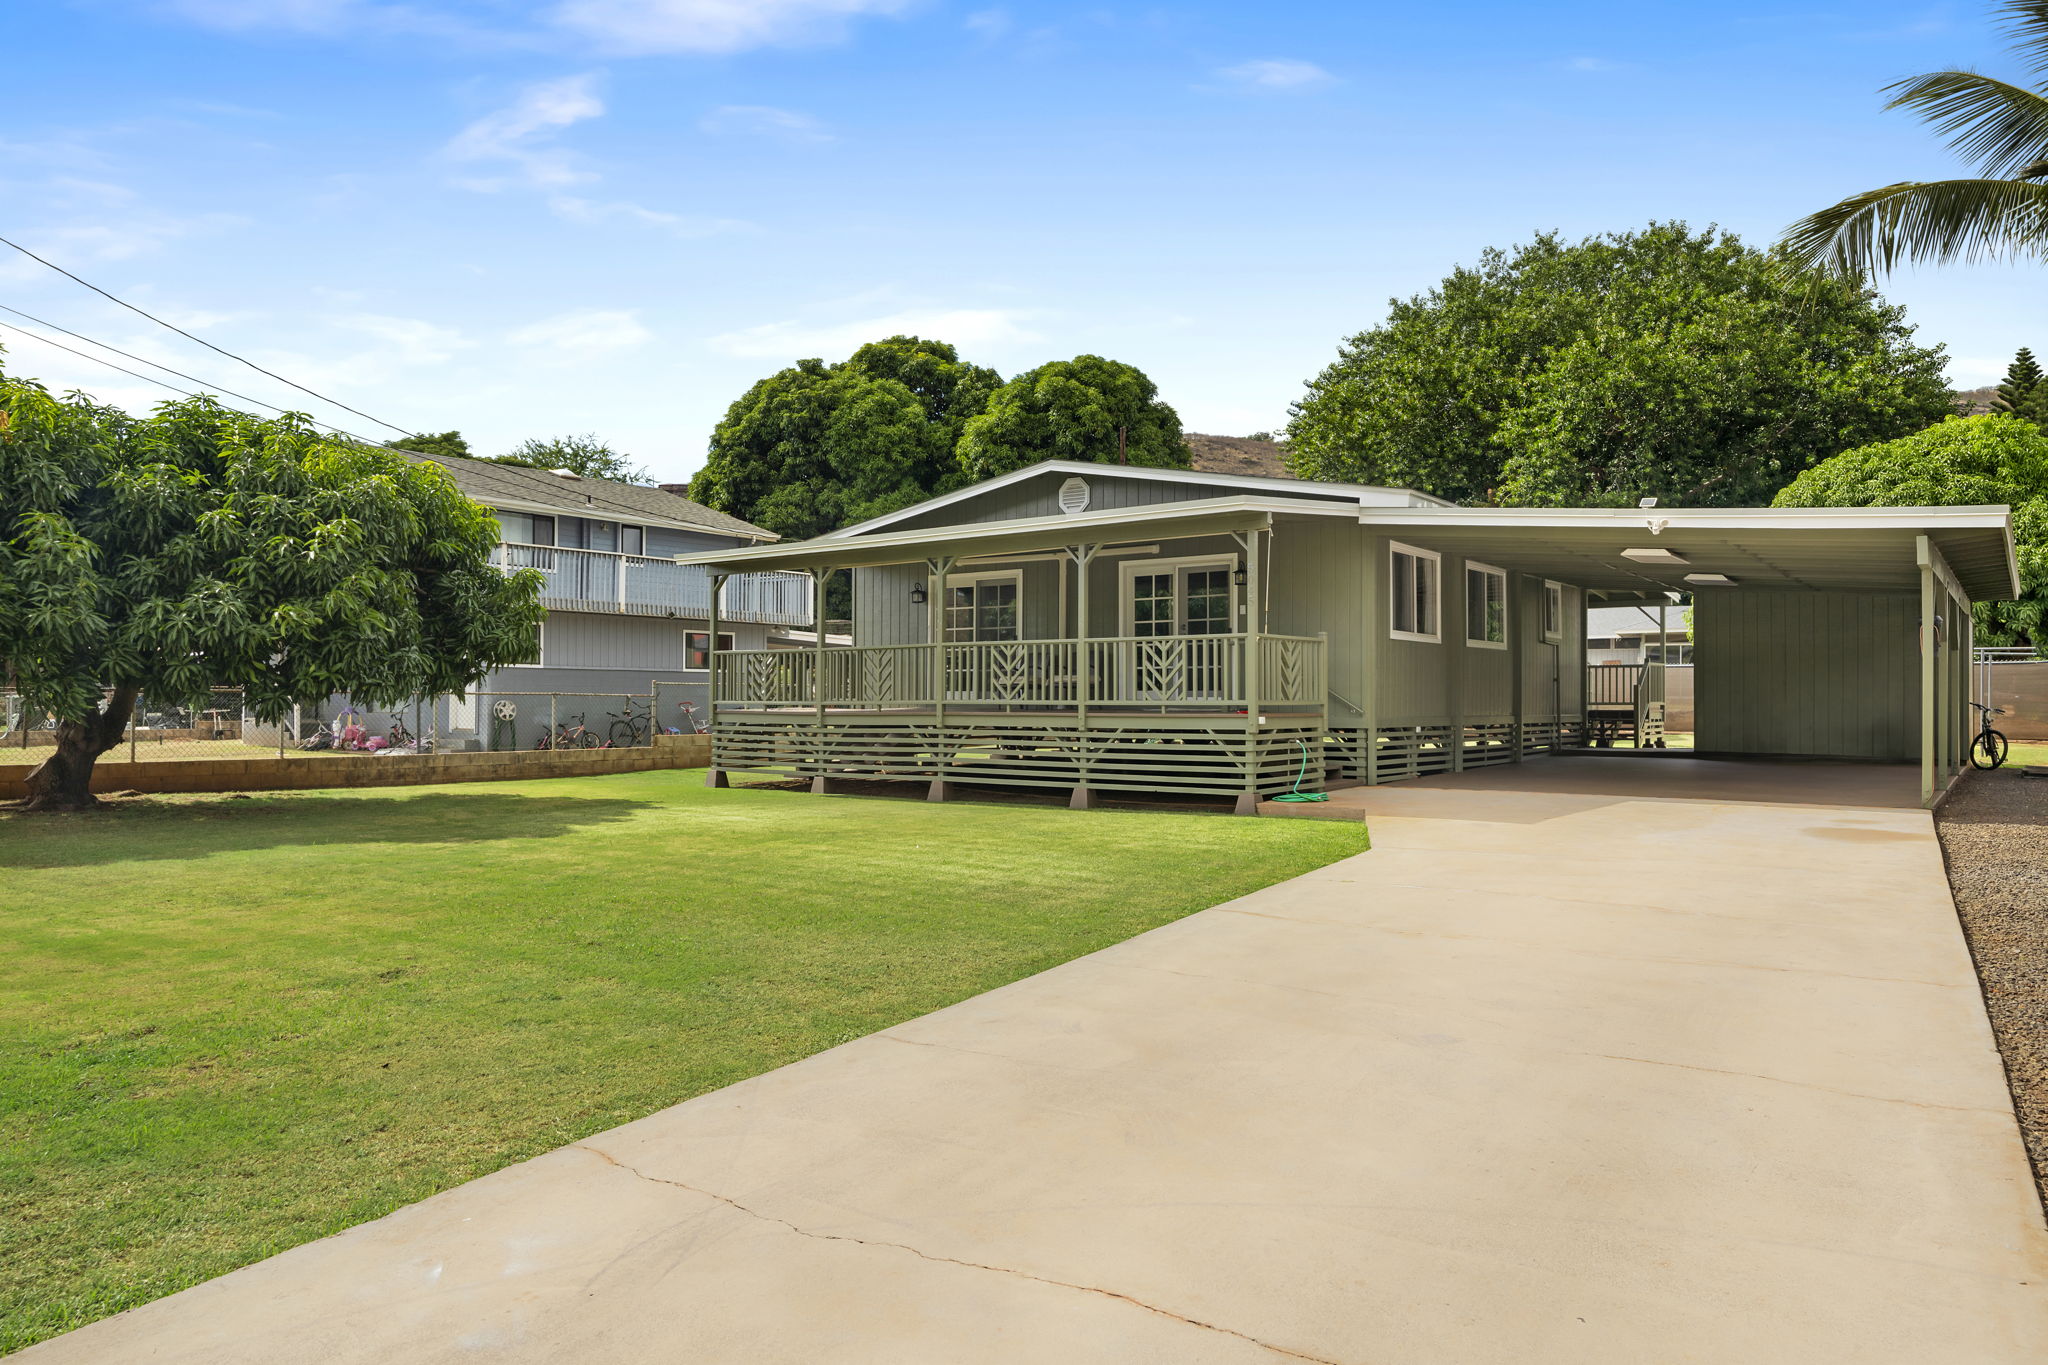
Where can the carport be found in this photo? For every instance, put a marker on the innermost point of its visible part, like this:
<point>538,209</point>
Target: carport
<point>1838,634</point>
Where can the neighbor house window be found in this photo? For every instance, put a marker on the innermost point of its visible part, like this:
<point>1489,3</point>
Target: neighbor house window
<point>1553,611</point>
<point>1413,575</point>
<point>540,531</point>
<point>540,640</point>
<point>1486,606</point>
<point>697,647</point>
<point>633,540</point>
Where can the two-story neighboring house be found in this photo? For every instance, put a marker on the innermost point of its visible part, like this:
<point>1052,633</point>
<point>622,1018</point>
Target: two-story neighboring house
<point>621,613</point>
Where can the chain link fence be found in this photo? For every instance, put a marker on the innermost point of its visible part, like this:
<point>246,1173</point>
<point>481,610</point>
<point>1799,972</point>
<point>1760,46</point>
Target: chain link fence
<point>337,727</point>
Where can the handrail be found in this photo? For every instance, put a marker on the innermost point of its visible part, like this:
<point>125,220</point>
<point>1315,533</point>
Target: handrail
<point>1163,671</point>
<point>651,585</point>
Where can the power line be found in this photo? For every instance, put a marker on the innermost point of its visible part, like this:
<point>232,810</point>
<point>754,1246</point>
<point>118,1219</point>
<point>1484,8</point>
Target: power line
<point>151,379</point>
<point>201,340</point>
<point>140,360</point>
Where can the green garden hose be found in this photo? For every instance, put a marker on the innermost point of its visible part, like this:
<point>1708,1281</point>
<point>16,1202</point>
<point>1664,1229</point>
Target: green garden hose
<point>1298,794</point>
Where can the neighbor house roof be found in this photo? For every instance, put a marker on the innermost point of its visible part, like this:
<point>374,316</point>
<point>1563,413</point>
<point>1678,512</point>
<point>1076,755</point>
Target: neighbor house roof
<point>517,488</point>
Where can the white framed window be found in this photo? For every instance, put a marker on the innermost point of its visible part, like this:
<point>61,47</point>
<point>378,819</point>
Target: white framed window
<point>1553,610</point>
<point>540,647</point>
<point>697,648</point>
<point>1192,596</point>
<point>1413,576</point>
<point>983,606</point>
<point>1486,606</point>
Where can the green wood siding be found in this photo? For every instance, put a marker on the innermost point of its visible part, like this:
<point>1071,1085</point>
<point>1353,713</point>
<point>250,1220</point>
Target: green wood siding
<point>1316,586</point>
<point>1039,497</point>
<point>1831,674</point>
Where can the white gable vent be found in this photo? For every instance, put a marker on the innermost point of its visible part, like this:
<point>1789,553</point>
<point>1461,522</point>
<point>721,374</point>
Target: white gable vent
<point>1074,496</point>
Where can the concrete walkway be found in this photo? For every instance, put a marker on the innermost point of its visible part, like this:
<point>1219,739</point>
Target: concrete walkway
<point>1542,1078</point>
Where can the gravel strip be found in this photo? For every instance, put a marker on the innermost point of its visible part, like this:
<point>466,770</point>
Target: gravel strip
<point>1994,832</point>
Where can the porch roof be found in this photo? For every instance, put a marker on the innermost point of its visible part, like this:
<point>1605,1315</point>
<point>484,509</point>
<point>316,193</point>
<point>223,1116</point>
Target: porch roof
<point>1866,549</point>
<point>1205,517</point>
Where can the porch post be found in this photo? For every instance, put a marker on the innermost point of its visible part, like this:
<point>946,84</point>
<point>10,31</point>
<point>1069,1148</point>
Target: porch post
<point>935,638</point>
<point>819,578</point>
<point>1254,629</point>
<point>716,776</point>
<point>1083,797</point>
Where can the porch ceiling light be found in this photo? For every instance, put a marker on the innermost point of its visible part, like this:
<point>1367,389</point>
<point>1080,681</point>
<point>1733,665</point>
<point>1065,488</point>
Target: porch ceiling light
<point>1654,556</point>
<point>1710,580</point>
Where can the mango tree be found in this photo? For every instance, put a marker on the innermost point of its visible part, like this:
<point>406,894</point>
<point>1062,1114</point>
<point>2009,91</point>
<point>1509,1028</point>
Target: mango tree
<point>201,547</point>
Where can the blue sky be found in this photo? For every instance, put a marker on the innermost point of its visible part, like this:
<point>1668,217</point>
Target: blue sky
<point>525,219</point>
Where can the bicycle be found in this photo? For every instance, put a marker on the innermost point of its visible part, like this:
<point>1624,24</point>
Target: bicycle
<point>1988,747</point>
<point>628,731</point>
<point>567,736</point>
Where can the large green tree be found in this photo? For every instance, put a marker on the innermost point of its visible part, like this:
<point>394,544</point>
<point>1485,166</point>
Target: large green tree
<point>1999,126</point>
<point>585,455</point>
<point>816,446</point>
<point>1962,462</point>
<point>201,547</point>
<point>447,444</point>
<point>1666,363</point>
<point>2020,390</point>
<point>1087,408</point>
<point>813,447</point>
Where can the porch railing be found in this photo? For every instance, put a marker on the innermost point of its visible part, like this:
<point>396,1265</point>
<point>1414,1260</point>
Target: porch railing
<point>1637,688</point>
<point>641,585</point>
<point>1163,671</point>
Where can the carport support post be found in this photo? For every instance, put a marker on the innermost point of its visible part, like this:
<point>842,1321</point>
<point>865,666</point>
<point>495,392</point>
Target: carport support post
<point>716,776</point>
<point>1929,675</point>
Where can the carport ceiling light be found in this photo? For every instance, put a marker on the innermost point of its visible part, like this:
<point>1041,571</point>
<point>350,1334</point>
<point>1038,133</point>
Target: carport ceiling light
<point>1654,556</point>
<point>1710,580</point>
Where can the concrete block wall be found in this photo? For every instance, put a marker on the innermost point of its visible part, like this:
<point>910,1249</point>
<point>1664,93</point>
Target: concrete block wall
<point>312,772</point>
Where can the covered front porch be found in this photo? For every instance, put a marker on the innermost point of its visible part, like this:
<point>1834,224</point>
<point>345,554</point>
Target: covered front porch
<point>1133,651</point>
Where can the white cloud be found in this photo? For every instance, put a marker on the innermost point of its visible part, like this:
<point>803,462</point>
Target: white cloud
<point>593,211</point>
<point>761,120</point>
<point>965,327</point>
<point>1592,64</point>
<point>1276,73</point>
<point>306,16</point>
<point>989,24</point>
<point>416,342</point>
<point>516,134</point>
<point>639,27</point>
<point>588,331</point>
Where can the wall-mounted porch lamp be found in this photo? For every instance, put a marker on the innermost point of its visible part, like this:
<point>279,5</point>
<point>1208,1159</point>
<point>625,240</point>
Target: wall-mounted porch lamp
<point>1239,577</point>
<point>917,594</point>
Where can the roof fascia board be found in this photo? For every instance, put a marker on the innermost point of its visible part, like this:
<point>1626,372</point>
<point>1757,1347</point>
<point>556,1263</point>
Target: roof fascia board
<point>607,514</point>
<point>1698,518</point>
<point>1272,487</point>
<point>1154,520</point>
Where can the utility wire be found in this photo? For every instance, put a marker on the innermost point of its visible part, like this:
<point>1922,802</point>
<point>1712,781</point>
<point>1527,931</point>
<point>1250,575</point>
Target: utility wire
<point>151,379</point>
<point>140,360</point>
<point>201,340</point>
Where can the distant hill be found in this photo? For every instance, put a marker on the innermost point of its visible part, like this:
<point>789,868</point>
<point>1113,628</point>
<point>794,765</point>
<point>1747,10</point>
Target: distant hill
<point>1976,402</point>
<point>1239,455</point>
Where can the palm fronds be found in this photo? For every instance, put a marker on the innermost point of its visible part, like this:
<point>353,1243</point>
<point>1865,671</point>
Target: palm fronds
<point>1937,220</point>
<point>1999,127</point>
<point>2027,22</point>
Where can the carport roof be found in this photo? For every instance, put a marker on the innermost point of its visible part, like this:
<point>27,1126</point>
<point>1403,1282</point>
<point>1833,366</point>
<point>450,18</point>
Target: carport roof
<point>1869,549</point>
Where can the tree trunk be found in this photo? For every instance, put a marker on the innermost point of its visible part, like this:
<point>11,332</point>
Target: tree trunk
<point>63,781</point>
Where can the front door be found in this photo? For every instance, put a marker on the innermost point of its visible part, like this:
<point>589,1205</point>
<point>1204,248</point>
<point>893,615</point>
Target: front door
<point>980,609</point>
<point>1166,603</point>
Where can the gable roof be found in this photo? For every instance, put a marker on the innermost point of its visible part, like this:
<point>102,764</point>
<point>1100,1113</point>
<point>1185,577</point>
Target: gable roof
<point>1353,494</point>
<point>518,488</point>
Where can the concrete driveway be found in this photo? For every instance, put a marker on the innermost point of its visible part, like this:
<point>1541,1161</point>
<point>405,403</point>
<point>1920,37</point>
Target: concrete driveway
<point>1542,1078</point>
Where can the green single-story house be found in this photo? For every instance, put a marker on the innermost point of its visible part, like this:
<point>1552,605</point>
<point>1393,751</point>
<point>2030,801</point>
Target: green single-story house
<point>1108,628</point>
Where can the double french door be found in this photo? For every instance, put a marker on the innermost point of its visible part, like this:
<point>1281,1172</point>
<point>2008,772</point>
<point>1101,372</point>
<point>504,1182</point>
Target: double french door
<point>1164,604</point>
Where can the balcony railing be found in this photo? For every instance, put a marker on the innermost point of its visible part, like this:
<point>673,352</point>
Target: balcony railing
<point>638,585</point>
<point>1206,672</point>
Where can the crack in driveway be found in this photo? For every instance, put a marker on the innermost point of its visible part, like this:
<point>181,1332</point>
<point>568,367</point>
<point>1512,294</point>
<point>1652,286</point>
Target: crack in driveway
<point>732,1203</point>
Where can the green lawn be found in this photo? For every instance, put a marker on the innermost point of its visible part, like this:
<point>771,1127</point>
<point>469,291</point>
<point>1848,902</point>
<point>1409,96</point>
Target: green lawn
<point>237,1024</point>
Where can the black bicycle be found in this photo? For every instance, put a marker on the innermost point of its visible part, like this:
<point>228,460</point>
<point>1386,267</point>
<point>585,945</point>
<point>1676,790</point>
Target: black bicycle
<point>1987,750</point>
<point>628,731</point>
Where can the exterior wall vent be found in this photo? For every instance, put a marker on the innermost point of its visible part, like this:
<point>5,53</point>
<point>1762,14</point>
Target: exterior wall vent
<point>1074,496</point>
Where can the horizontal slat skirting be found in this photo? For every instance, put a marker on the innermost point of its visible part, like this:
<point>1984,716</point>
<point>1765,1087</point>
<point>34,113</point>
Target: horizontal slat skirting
<point>1223,760</point>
